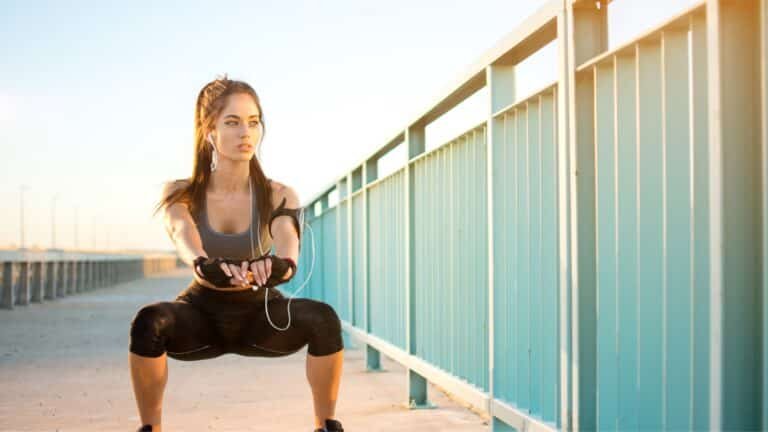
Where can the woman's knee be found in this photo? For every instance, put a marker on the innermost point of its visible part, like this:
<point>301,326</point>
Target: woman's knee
<point>324,315</point>
<point>149,329</point>
<point>327,331</point>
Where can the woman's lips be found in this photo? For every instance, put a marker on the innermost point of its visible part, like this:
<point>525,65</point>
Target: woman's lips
<point>245,147</point>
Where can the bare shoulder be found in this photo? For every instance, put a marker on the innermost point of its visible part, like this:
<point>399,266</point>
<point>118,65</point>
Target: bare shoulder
<point>172,186</point>
<point>282,191</point>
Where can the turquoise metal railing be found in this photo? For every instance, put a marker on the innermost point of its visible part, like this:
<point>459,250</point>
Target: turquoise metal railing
<point>591,255</point>
<point>36,277</point>
<point>386,281</point>
<point>525,225</point>
<point>450,304</point>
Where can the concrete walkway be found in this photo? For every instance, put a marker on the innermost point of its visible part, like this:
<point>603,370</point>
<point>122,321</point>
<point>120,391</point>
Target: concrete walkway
<point>64,367</point>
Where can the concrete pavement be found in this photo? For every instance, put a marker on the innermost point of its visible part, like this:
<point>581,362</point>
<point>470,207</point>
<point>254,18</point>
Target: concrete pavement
<point>64,367</point>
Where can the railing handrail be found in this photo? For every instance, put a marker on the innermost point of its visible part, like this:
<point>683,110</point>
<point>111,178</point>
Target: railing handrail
<point>528,36</point>
<point>623,201</point>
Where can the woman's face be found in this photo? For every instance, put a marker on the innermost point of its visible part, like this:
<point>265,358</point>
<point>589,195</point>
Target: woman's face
<point>238,128</point>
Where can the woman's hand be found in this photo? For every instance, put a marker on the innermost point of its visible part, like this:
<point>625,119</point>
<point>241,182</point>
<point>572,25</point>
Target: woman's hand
<point>261,269</point>
<point>238,273</point>
<point>222,272</point>
<point>270,270</point>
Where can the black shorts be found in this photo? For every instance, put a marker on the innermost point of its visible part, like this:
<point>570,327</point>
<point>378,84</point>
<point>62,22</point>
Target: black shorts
<point>203,323</point>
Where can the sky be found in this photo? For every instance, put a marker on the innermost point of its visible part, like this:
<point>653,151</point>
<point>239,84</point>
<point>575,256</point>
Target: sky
<point>97,98</point>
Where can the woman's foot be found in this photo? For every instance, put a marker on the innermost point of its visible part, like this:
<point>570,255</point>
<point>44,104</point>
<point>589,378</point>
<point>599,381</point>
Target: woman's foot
<point>145,428</point>
<point>331,426</point>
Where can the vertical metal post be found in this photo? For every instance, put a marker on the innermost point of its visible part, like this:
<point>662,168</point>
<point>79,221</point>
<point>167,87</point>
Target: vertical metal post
<point>417,384</point>
<point>38,282</point>
<point>733,41</point>
<point>9,280</point>
<point>80,284</point>
<point>23,287</point>
<point>373,359</point>
<point>61,279</point>
<point>349,189</point>
<point>417,392</point>
<point>764,183</point>
<point>323,208</point>
<point>51,279</point>
<point>586,35</point>
<point>342,207</point>
<point>564,41</point>
<point>500,79</point>
<point>89,273</point>
<point>72,277</point>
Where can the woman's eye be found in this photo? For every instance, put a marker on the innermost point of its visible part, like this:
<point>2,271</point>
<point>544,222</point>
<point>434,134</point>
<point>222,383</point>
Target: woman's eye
<point>254,124</point>
<point>231,123</point>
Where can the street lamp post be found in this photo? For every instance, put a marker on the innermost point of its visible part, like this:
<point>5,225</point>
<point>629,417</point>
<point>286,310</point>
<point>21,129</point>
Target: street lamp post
<point>53,220</point>
<point>93,233</point>
<point>76,235</point>
<point>22,189</point>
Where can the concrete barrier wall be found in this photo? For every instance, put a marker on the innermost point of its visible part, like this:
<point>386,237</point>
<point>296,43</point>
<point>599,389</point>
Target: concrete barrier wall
<point>24,282</point>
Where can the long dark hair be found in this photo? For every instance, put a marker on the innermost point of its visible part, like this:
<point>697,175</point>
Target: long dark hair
<point>210,103</point>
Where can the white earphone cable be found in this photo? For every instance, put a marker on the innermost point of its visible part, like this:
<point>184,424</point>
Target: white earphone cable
<point>311,267</point>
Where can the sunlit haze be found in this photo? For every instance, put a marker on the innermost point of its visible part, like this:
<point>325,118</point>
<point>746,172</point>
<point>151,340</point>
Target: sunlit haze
<point>97,98</point>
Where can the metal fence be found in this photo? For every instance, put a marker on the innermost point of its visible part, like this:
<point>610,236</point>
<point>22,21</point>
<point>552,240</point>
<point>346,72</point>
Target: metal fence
<point>24,281</point>
<point>590,256</point>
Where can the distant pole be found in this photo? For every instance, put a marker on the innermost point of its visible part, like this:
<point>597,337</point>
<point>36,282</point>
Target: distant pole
<point>76,236</point>
<point>93,233</point>
<point>21,198</point>
<point>53,220</point>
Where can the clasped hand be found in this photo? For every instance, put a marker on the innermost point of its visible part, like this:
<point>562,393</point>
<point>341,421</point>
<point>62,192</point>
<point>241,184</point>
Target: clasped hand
<point>266,270</point>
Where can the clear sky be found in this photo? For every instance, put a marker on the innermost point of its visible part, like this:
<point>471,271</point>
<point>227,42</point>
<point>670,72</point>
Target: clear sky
<point>97,98</point>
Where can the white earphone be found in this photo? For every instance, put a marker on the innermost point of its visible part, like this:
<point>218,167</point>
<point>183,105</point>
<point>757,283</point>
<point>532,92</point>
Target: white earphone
<point>261,251</point>
<point>214,153</point>
<point>214,162</point>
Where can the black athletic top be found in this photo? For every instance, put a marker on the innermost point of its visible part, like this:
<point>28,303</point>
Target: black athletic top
<point>217,244</point>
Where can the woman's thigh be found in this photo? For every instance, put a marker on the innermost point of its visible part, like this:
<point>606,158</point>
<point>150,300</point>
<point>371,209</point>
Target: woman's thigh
<point>311,322</point>
<point>178,328</point>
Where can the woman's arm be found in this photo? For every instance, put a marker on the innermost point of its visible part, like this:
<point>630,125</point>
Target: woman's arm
<point>285,238</point>
<point>183,232</point>
<point>181,228</point>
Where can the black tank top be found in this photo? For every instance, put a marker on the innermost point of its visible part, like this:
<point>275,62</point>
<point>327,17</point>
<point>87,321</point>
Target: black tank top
<point>217,244</point>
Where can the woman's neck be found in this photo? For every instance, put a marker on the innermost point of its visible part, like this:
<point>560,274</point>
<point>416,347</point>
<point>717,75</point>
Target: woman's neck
<point>230,177</point>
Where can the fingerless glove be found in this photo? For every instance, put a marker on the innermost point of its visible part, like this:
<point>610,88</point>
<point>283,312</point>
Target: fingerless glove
<point>210,270</point>
<point>280,267</point>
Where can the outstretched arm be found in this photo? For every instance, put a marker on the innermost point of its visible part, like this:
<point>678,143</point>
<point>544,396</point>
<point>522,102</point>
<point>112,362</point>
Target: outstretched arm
<point>182,231</point>
<point>181,228</point>
<point>285,238</point>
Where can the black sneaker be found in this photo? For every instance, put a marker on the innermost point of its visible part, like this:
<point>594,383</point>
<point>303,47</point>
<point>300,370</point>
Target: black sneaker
<point>145,428</point>
<point>331,426</point>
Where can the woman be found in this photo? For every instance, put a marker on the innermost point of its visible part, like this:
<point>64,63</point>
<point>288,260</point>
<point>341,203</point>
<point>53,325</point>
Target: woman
<point>213,218</point>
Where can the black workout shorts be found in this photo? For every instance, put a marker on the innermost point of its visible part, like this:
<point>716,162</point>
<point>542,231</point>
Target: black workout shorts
<point>203,323</point>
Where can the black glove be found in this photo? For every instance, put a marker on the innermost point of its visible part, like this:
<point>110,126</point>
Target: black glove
<point>210,270</point>
<point>280,267</point>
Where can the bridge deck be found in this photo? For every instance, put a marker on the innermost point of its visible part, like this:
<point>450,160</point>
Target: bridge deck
<point>64,367</point>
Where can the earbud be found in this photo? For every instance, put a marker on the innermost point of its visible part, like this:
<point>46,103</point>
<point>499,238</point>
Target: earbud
<point>210,137</point>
